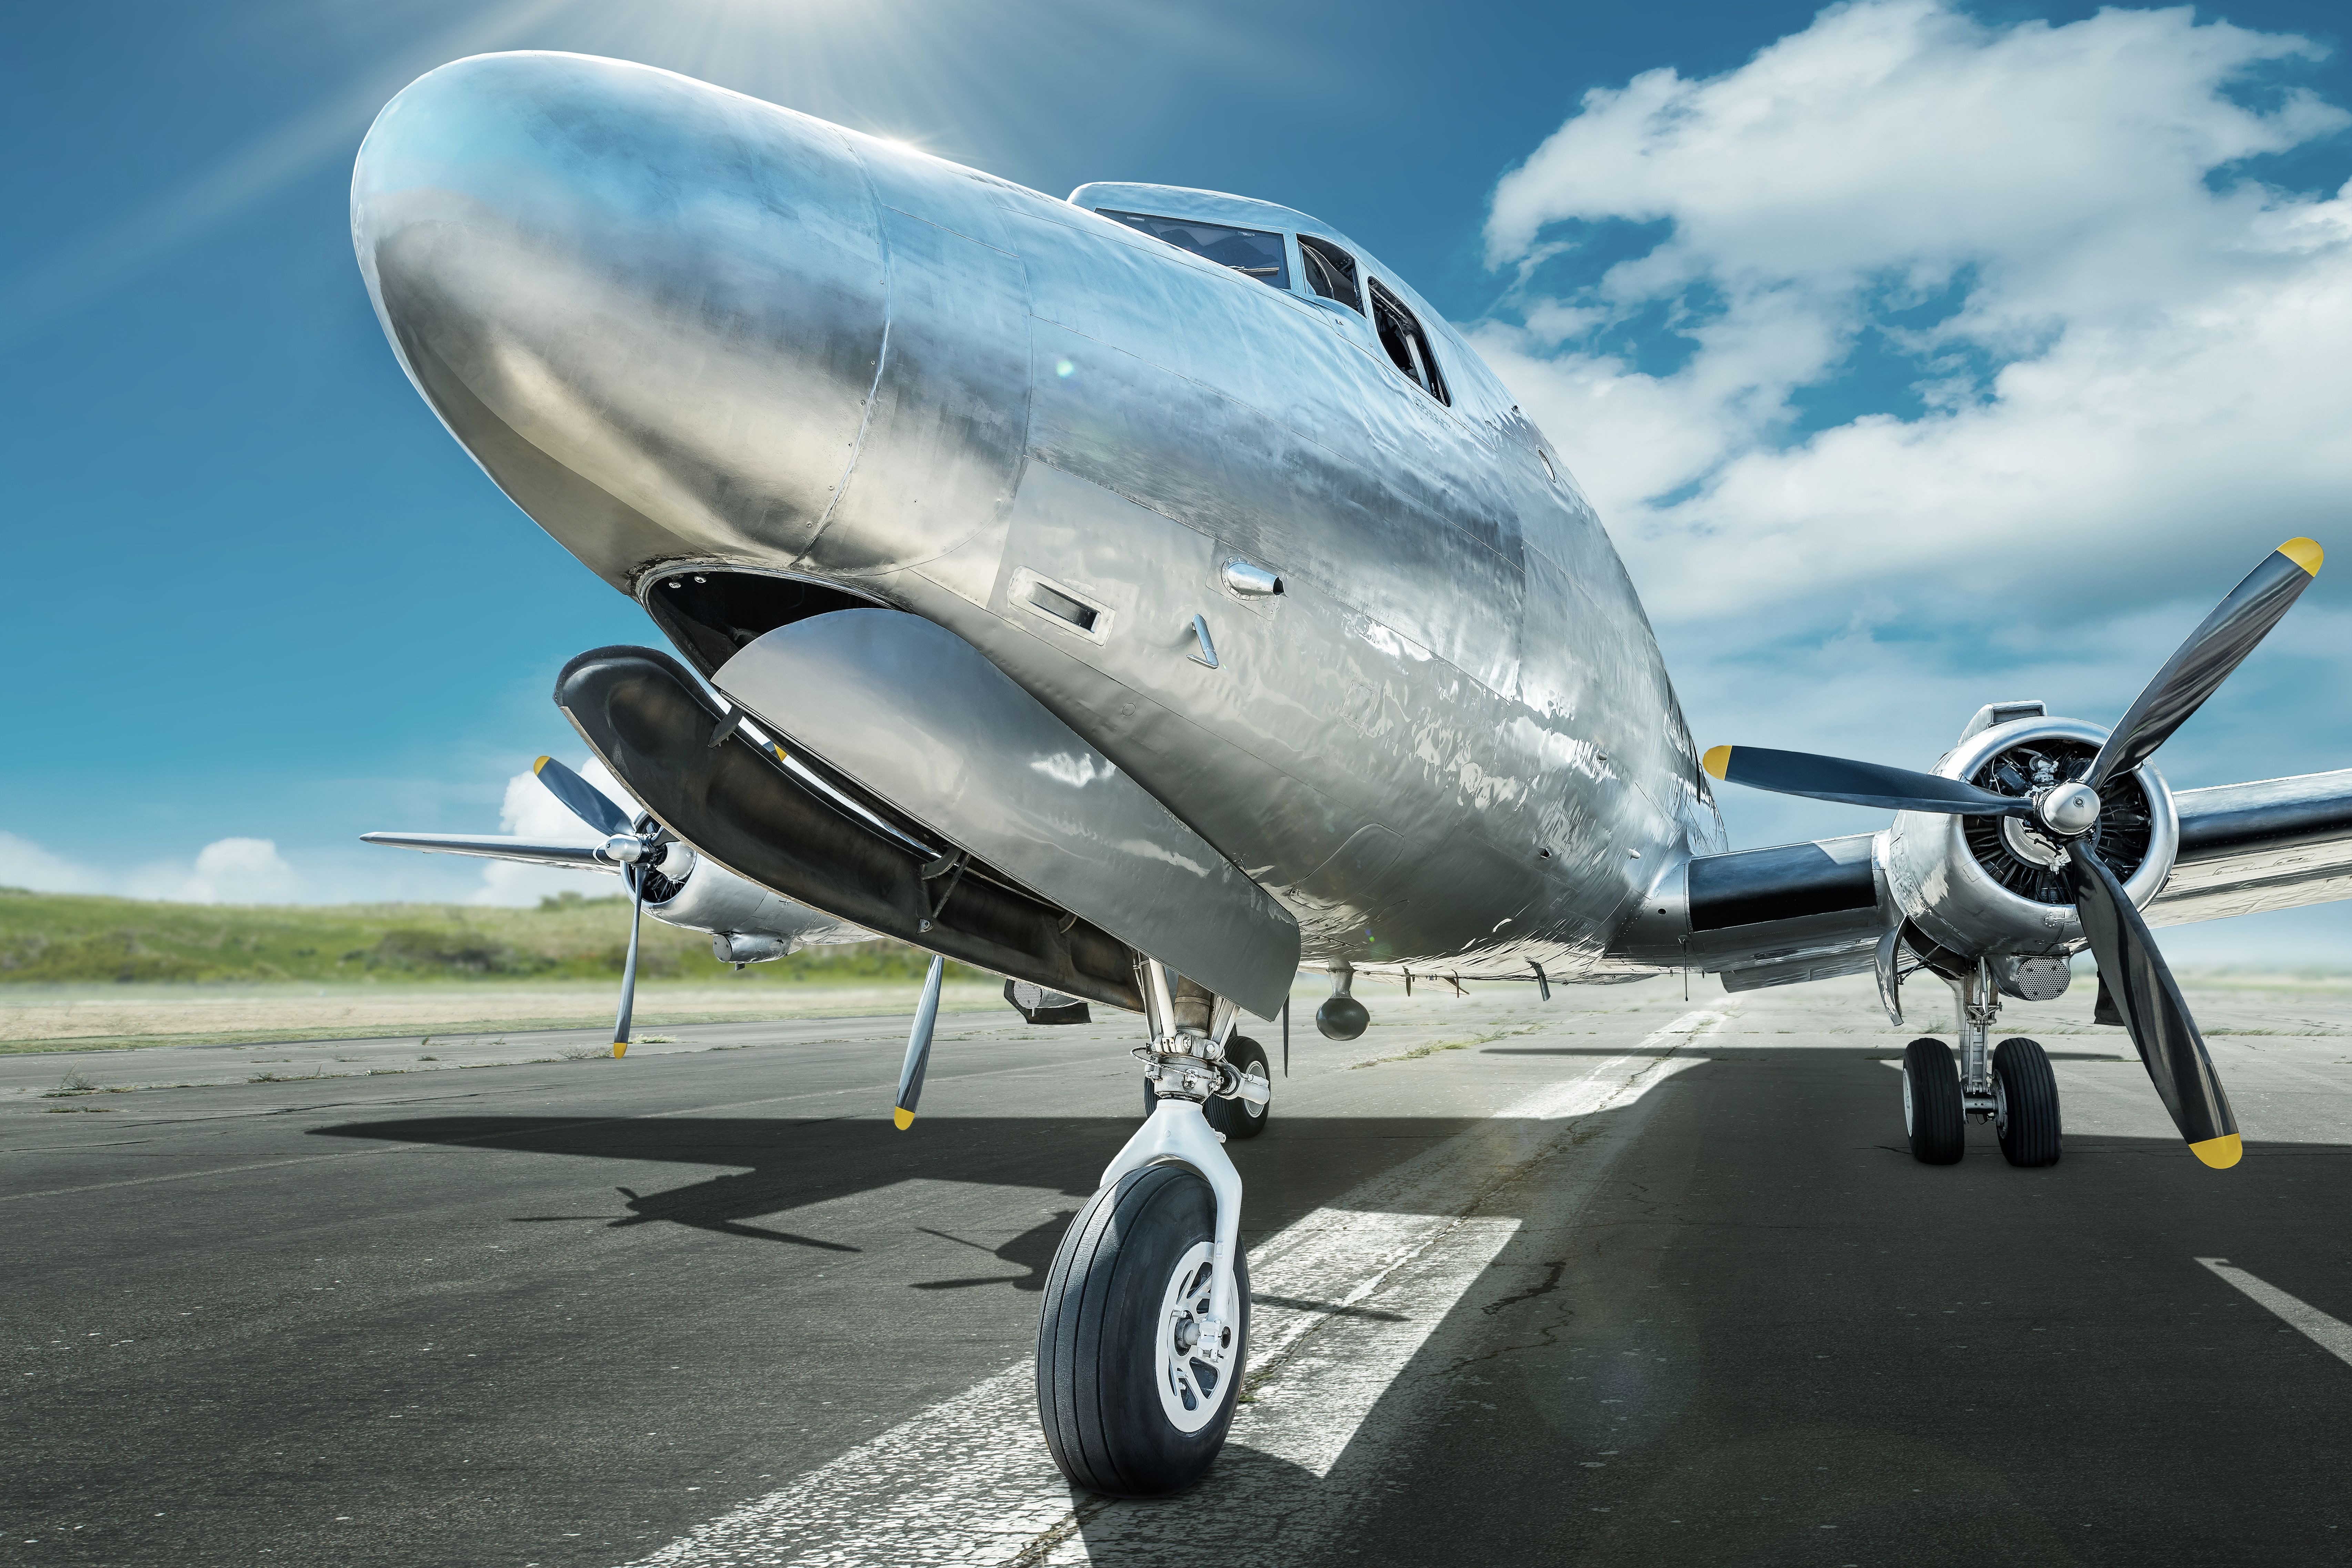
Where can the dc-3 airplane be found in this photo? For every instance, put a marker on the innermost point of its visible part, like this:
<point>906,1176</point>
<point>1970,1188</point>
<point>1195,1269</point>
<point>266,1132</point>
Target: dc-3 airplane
<point>1144,595</point>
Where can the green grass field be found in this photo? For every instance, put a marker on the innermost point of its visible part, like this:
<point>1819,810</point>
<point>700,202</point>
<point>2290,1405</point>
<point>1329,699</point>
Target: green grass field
<point>74,939</point>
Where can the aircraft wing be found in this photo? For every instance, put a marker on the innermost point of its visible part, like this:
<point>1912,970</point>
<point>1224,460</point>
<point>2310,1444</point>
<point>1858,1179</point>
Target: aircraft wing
<point>1806,911</point>
<point>577,857</point>
<point>2273,844</point>
<point>1775,916</point>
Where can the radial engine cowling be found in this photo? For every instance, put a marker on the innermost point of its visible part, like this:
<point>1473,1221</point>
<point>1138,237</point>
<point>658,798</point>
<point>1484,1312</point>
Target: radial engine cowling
<point>747,924</point>
<point>1991,886</point>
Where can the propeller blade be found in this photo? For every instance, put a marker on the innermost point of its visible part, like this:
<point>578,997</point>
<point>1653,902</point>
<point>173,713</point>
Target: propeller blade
<point>588,803</point>
<point>1857,783</point>
<point>636,875</point>
<point>2201,664</point>
<point>918,1049</point>
<point>2132,971</point>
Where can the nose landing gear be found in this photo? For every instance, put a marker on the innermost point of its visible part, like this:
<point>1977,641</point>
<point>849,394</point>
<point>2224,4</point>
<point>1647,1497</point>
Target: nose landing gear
<point>1145,1331</point>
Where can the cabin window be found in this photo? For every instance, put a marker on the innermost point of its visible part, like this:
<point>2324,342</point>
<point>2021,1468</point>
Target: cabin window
<point>1254,253</point>
<point>1331,271</point>
<point>1407,344</point>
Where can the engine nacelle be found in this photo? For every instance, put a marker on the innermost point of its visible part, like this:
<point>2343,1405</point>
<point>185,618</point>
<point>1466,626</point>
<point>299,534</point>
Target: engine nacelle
<point>1990,885</point>
<point>748,925</point>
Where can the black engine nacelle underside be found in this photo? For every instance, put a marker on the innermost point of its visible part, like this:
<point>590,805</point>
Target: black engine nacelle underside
<point>644,716</point>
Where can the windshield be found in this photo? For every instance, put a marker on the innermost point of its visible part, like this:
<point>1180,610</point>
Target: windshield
<point>1255,252</point>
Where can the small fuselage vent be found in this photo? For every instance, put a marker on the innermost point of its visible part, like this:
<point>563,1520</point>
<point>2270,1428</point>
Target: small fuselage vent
<point>1062,607</point>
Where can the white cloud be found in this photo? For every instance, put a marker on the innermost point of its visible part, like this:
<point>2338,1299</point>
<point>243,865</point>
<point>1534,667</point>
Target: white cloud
<point>23,863</point>
<point>226,871</point>
<point>2088,367</point>
<point>235,871</point>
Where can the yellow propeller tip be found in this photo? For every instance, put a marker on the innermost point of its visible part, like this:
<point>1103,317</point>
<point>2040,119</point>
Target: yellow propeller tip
<point>620,1047</point>
<point>2304,553</point>
<point>902,1117</point>
<point>1718,761</point>
<point>2220,1153</point>
<point>540,764</point>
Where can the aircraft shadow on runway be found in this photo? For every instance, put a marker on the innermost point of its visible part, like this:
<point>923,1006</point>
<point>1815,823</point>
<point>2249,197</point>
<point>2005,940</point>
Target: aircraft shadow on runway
<point>787,1164</point>
<point>1304,1163</point>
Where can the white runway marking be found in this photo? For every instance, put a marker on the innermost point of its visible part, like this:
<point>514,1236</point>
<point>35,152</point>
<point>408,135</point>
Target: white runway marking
<point>2327,1333</point>
<point>1343,1301</point>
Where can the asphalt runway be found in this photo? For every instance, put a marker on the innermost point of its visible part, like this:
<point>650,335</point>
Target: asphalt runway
<point>1623,1279</point>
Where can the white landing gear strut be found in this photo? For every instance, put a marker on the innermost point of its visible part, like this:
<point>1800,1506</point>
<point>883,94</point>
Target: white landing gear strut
<point>1145,1330</point>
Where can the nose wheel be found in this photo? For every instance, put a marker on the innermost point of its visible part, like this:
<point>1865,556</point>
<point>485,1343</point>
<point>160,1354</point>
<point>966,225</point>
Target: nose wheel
<point>1135,1376</point>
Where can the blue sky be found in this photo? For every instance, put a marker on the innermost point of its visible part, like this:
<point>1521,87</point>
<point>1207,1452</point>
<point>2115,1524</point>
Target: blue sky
<point>1917,355</point>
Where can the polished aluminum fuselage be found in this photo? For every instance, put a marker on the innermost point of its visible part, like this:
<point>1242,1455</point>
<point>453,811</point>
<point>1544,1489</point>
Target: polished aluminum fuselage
<point>681,327</point>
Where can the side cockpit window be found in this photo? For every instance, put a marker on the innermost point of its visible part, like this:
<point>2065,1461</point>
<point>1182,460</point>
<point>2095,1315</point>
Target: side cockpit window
<point>1331,271</point>
<point>1407,344</point>
<point>1254,253</point>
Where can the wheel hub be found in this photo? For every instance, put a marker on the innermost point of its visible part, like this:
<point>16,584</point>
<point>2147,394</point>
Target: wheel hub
<point>1191,1389</point>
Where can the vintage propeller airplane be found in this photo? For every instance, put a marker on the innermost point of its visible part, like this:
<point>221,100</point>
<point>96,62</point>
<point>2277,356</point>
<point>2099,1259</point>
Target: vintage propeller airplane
<point>1144,594</point>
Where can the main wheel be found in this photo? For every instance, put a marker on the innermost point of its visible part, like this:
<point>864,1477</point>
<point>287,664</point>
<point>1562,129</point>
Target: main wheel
<point>1128,1409</point>
<point>2025,1095</point>
<point>1240,1118</point>
<point>1932,1112</point>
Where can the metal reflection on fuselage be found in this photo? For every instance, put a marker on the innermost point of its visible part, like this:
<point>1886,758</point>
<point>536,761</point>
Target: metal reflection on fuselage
<point>680,326</point>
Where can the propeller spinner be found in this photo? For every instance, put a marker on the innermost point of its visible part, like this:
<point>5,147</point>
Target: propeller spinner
<point>2130,966</point>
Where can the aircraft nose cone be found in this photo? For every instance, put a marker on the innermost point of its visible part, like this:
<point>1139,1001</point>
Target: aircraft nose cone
<point>652,308</point>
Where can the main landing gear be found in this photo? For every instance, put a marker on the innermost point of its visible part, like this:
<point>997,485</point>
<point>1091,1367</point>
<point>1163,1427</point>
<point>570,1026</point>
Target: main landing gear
<point>2010,1086</point>
<point>1145,1331</point>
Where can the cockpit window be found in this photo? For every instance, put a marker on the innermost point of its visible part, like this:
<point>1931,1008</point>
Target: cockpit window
<point>1407,344</point>
<point>1331,271</point>
<point>1252,252</point>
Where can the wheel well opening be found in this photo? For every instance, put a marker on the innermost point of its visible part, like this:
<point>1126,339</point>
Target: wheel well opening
<point>711,614</point>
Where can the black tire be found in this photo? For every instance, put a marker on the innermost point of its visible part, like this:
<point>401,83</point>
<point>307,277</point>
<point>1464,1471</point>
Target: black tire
<point>2027,1121</point>
<point>1932,1112</point>
<point>1239,1118</point>
<point>1099,1361</point>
